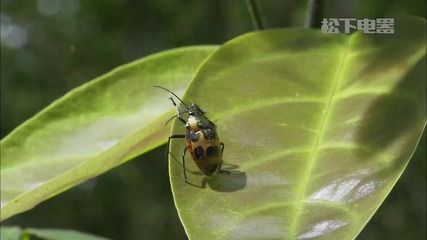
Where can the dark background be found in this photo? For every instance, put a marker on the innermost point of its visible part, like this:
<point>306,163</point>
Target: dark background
<point>49,47</point>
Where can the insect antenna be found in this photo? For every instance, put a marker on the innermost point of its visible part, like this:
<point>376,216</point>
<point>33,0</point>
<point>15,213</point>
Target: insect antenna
<point>172,94</point>
<point>170,119</point>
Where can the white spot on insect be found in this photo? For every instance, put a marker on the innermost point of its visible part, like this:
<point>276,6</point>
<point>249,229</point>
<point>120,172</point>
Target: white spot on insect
<point>192,121</point>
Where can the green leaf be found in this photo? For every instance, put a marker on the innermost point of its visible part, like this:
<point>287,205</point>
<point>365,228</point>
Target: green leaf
<point>16,233</point>
<point>93,128</point>
<point>10,233</point>
<point>317,130</point>
<point>61,234</point>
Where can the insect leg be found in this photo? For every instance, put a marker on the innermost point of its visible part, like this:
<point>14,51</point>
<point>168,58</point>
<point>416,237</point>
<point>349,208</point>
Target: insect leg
<point>222,148</point>
<point>183,164</point>
<point>183,152</point>
<point>222,152</point>
<point>169,140</point>
<point>178,113</point>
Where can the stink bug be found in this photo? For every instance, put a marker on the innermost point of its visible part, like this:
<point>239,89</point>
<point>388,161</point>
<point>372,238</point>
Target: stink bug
<point>202,139</point>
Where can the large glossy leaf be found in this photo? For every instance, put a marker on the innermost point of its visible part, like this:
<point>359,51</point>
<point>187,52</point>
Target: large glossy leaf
<point>93,128</point>
<point>317,130</point>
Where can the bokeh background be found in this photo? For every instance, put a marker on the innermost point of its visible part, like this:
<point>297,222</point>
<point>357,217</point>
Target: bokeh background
<point>49,47</point>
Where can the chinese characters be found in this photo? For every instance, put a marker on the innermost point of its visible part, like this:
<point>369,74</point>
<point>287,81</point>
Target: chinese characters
<point>368,26</point>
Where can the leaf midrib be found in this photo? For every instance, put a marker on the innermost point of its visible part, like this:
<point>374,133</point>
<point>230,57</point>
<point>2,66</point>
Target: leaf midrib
<point>314,153</point>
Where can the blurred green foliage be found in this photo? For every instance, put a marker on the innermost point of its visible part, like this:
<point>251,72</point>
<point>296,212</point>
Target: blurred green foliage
<point>49,47</point>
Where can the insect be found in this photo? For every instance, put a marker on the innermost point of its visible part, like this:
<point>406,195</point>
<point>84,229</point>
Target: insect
<point>201,136</point>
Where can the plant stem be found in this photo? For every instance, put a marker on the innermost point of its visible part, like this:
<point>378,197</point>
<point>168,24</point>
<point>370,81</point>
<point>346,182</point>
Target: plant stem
<point>314,16</point>
<point>254,12</point>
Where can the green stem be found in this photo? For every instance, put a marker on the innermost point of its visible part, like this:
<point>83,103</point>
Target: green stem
<point>254,12</point>
<point>314,16</point>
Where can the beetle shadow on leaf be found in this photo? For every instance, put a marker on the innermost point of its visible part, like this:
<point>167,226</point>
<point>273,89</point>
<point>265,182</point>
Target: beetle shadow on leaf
<point>224,182</point>
<point>221,182</point>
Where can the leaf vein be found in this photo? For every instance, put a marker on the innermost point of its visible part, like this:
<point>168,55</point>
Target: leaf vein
<point>316,146</point>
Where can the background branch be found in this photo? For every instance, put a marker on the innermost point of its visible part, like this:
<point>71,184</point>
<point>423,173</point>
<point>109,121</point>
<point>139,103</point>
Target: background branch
<point>254,12</point>
<point>314,15</point>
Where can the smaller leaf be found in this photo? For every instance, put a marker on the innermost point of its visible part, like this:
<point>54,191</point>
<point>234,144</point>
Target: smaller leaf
<point>93,128</point>
<point>61,234</point>
<point>10,233</point>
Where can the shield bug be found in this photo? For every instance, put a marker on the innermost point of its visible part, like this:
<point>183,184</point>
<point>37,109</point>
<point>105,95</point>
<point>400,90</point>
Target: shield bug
<point>201,136</point>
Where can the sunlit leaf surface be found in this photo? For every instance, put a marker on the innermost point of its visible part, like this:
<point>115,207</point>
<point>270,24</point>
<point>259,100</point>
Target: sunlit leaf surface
<point>317,130</point>
<point>93,128</point>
